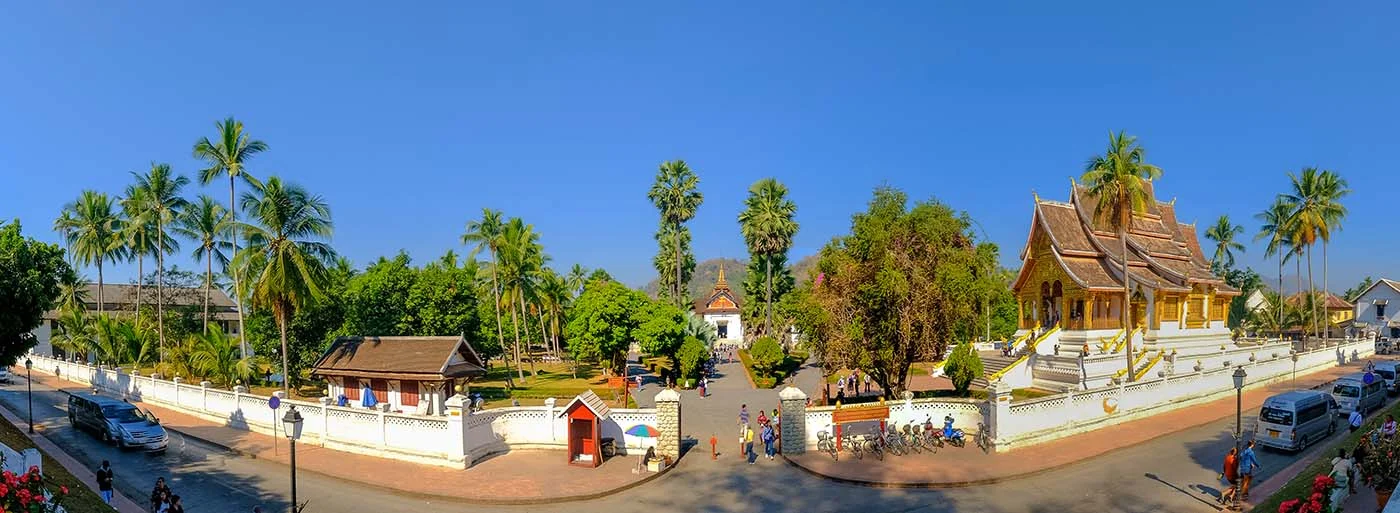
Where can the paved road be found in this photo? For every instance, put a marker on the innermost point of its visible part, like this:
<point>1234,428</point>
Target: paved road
<point>1174,473</point>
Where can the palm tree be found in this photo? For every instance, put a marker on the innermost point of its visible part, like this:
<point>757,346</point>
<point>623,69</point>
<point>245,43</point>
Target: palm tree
<point>1333,189</point>
<point>163,201</point>
<point>1224,233</point>
<point>1119,179</point>
<point>578,277</point>
<point>283,247</point>
<point>216,355</point>
<point>555,296</point>
<point>94,232</point>
<point>136,234</point>
<point>75,332</point>
<point>486,234</point>
<point>768,227</point>
<point>206,222</point>
<point>1274,226</point>
<point>676,194</point>
<point>1311,212</point>
<point>521,256</point>
<point>226,157</point>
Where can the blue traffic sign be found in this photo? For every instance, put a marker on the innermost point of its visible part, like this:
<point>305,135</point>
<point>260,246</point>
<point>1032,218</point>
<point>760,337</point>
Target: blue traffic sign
<point>274,402</point>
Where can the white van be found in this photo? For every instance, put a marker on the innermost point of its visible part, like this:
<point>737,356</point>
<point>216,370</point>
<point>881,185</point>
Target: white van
<point>1354,394</point>
<point>1387,371</point>
<point>1293,420</point>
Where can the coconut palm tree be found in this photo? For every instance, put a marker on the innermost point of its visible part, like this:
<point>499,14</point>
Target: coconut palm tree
<point>226,156</point>
<point>578,277</point>
<point>768,227</point>
<point>1274,227</point>
<point>521,256</point>
<point>1308,199</point>
<point>93,228</point>
<point>676,194</point>
<point>137,234</point>
<point>555,296</point>
<point>217,356</point>
<point>162,201</point>
<point>1223,233</point>
<point>487,233</point>
<point>75,332</point>
<point>1333,189</point>
<point>207,223</point>
<point>285,247</point>
<point>1119,179</point>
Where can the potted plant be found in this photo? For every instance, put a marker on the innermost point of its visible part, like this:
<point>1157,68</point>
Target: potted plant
<point>1380,468</point>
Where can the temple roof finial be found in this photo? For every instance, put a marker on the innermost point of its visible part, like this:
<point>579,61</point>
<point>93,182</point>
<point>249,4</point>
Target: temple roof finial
<point>720,283</point>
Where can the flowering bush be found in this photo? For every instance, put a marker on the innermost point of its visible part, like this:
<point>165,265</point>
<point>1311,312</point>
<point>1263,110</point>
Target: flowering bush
<point>1316,502</point>
<point>26,493</point>
<point>1380,467</point>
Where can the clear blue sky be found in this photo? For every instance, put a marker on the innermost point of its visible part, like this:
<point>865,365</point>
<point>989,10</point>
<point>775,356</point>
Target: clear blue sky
<point>410,120</point>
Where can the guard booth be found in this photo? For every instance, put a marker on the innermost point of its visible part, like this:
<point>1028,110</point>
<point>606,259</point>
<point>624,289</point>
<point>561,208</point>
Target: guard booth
<point>585,414</point>
<point>852,414</point>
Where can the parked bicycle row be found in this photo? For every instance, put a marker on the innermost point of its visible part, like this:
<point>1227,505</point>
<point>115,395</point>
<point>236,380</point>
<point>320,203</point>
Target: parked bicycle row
<point>910,438</point>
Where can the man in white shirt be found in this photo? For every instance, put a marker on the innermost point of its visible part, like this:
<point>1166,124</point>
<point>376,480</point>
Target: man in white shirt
<point>1355,420</point>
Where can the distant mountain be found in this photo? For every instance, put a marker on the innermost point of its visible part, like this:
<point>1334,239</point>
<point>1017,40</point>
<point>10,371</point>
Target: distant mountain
<point>735,270</point>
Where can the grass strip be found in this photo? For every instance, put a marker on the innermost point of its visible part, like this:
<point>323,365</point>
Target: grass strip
<point>80,497</point>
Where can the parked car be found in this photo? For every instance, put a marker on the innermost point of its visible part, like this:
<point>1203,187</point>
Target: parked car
<point>1293,420</point>
<point>116,422</point>
<point>5,376</point>
<point>1387,371</point>
<point>1353,393</point>
<point>1384,346</point>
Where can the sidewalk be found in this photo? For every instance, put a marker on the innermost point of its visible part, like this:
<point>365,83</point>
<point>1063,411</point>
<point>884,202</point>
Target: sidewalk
<point>121,503</point>
<point>540,476</point>
<point>975,467</point>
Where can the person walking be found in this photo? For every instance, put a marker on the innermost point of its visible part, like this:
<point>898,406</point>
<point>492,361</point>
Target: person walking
<point>714,447</point>
<point>1388,429</point>
<point>105,476</point>
<point>762,417</point>
<point>744,413</point>
<point>777,431</point>
<point>1248,464</point>
<point>1354,420</point>
<point>867,382</point>
<point>840,385</point>
<point>768,438</point>
<point>159,494</point>
<point>743,430</point>
<point>748,444</point>
<point>175,505</point>
<point>1341,474</point>
<point>1230,472</point>
<point>701,387</point>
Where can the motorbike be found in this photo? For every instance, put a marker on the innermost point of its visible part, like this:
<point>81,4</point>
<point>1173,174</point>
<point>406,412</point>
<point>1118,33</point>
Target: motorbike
<point>952,435</point>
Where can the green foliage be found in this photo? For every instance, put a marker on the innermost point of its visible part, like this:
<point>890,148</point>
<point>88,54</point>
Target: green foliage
<point>691,357</point>
<point>1247,281</point>
<point>676,195</point>
<point>603,322</point>
<point>1224,233</point>
<point>599,274</point>
<point>665,263</point>
<point>897,289</point>
<point>1352,294</point>
<point>766,354</point>
<point>696,326</point>
<point>963,366</point>
<point>376,301</point>
<point>754,304</point>
<point>768,227</point>
<point>660,328</point>
<point>217,357</point>
<point>443,302</point>
<point>30,276</point>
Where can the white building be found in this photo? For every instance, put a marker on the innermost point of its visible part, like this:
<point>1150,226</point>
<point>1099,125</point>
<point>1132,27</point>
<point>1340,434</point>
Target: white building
<point>1374,311</point>
<point>120,300</point>
<point>721,309</point>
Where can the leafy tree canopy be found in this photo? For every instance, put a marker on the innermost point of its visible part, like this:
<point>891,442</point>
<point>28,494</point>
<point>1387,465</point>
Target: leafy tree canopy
<point>691,357</point>
<point>1353,293</point>
<point>766,355</point>
<point>963,366</point>
<point>377,299</point>
<point>30,274</point>
<point>660,328</point>
<point>603,322</point>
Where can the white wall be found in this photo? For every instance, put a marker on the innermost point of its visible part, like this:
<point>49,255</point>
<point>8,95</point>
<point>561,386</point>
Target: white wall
<point>735,333</point>
<point>1366,308</point>
<point>43,334</point>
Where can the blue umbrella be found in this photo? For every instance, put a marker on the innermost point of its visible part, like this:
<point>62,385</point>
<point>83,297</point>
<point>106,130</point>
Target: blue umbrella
<point>367,398</point>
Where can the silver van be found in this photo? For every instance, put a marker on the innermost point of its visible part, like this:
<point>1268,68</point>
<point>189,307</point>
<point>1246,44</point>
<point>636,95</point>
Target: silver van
<point>1353,393</point>
<point>1387,370</point>
<point>1293,420</point>
<point>117,422</point>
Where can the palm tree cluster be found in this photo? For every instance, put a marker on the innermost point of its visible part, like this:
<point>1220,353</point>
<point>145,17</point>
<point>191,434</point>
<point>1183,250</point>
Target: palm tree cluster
<point>522,282</point>
<point>676,194</point>
<point>1309,213</point>
<point>768,227</point>
<point>281,265</point>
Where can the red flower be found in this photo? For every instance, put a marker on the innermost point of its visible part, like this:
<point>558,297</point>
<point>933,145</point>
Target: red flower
<point>63,490</point>
<point>34,469</point>
<point>1289,506</point>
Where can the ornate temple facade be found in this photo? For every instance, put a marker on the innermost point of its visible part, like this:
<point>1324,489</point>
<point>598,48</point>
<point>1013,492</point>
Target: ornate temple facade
<point>721,309</point>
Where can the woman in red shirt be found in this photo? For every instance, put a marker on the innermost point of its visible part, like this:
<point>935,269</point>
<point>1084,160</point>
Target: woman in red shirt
<point>1231,474</point>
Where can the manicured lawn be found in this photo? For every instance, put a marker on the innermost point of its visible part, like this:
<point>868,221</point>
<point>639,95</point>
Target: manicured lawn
<point>553,380</point>
<point>80,498</point>
<point>1301,484</point>
<point>789,365</point>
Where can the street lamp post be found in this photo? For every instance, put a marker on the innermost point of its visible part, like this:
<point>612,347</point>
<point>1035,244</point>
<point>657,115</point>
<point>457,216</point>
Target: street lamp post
<point>291,422</point>
<point>1238,376</point>
<point>1294,357</point>
<point>29,382</point>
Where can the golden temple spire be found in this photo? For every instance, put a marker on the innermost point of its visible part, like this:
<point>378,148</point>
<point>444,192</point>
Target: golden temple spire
<point>720,283</point>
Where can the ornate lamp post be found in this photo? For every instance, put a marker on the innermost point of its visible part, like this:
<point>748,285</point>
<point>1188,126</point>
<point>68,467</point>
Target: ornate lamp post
<point>291,422</point>
<point>1238,376</point>
<point>29,381</point>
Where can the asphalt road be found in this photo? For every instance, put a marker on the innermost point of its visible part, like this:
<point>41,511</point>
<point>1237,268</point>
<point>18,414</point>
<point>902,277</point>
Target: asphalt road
<point>1173,473</point>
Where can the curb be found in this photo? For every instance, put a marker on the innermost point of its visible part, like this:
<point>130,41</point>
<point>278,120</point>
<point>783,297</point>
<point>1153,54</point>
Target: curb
<point>466,500</point>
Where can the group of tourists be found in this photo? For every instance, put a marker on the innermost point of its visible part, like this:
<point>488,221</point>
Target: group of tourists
<point>852,383</point>
<point>768,430</point>
<point>1239,467</point>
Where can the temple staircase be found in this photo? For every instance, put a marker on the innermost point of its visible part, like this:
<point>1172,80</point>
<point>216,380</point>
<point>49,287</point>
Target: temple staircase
<point>992,363</point>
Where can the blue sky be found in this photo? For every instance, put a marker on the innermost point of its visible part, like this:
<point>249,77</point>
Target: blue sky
<point>409,120</point>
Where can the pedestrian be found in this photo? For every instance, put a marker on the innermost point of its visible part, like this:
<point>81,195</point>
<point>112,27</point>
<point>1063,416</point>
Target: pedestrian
<point>175,505</point>
<point>714,447</point>
<point>159,493</point>
<point>768,438</point>
<point>1230,472</point>
<point>743,430</point>
<point>840,384</point>
<point>744,414</point>
<point>1354,420</point>
<point>1389,427</point>
<point>762,417</point>
<point>1358,455</point>
<point>840,395</point>
<point>639,382</point>
<point>867,382</point>
<point>104,481</point>
<point>1248,463</point>
<point>777,431</point>
<point>854,382</point>
<point>701,387</point>
<point>1341,474</point>
<point>748,444</point>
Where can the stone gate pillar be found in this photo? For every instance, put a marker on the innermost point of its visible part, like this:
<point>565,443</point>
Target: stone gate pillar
<point>999,423</point>
<point>459,411</point>
<point>668,420</point>
<point>793,420</point>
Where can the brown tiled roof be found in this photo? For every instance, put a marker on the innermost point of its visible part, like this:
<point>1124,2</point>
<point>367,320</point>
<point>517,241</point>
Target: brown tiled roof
<point>1063,224</point>
<point>1333,301</point>
<point>1091,273</point>
<point>118,297</point>
<point>721,290</point>
<point>423,358</point>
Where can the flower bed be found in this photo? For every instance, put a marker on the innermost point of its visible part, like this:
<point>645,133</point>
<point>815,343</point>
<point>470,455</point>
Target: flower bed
<point>65,487</point>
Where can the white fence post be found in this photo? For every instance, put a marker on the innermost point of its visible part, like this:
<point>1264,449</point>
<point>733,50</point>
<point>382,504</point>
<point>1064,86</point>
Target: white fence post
<point>325,419</point>
<point>383,436</point>
<point>204,391</point>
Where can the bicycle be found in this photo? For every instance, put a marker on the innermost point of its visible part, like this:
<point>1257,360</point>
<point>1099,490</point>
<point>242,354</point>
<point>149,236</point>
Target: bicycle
<point>984,439</point>
<point>826,443</point>
<point>893,442</point>
<point>908,439</point>
<point>873,446</point>
<point>853,444</point>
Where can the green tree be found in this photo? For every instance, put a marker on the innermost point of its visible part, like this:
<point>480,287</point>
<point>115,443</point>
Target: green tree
<point>1354,293</point>
<point>227,155</point>
<point>766,355</point>
<point>31,273</point>
<point>376,301</point>
<point>691,357</point>
<point>206,223</point>
<point>162,201</point>
<point>599,274</point>
<point>1274,225</point>
<point>138,235</point>
<point>1247,281</point>
<point>698,328</point>
<point>314,326</point>
<point>602,323</point>
<point>93,229</point>
<point>487,233</point>
<point>578,276</point>
<point>755,305</point>
<point>217,356</point>
<point>660,328</point>
<point>74,335</point>
<point>1119,180</point>
<point>963,366</point>
<point>895,290</point>
<point>669,240</point>
<point>1333,189</point>
<point>676,194</point>
<point>521,257</point>
<point>1223,233</point>
<point>442,301</point>
<point>284,249</point>
<point>768,227</point>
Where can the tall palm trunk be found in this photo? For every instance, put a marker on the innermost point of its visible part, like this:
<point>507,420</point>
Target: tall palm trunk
<point>1280,295</point>
<point>768,324</point>
<point>676,233</point>
<point>237,289</point>
<point>1127,296</point>
<point>520,294</point>
<point>1326,295</point>
<point>1312,294</point>
<point>140,272</point>
<point>544,337</point>
<point>515,323</point>
<point>160,288</point>
<point>101,304</point>
<point>496,294</point>
<point>208,285</point>
<point>282,325</point>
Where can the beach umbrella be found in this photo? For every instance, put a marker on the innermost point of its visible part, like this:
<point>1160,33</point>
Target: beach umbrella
<point>643,431</point>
